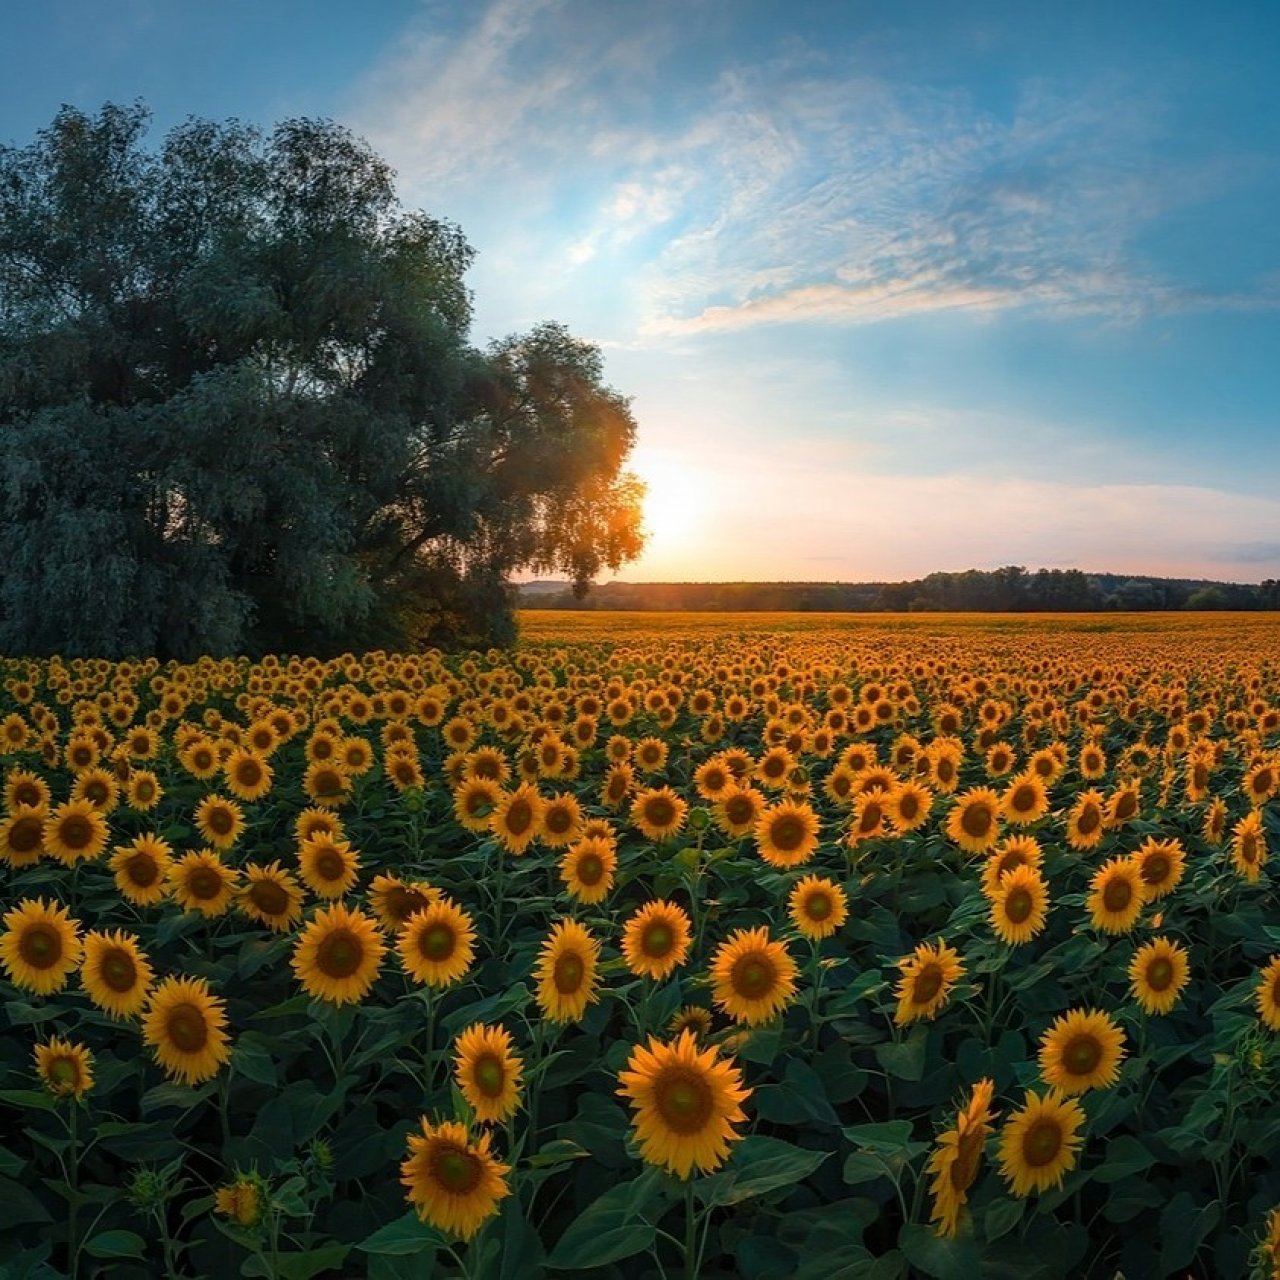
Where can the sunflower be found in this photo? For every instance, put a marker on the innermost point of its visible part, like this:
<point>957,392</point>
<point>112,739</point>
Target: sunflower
<point>75,832</point>
<point>1025,800</point>
<point>817,907</point>
<point>908,805</point>
<point>587,869</point>
<point>143,791</point>
<point>693,1017</point>
<point>248,776</point>
<point>1081,1050</point>
<point>712,779</point>
<point>40,946</point>
<point>561,821</point>
<point>474,801</point>
<point>1261,782</point>
<point>220,821</point>
<point>658,813</point>
<point>270,896</point>
<point>1010,853</point>
<point>955,1160</point>
<point>517,820</point>
<point>328,867</point>
<point>436,944</point>
<point>98,787</point>
<point>1086,821</point>
<point>200,759</point>
<point>394,900</point>
<point>327,784</point>
<point>244,1200</point>
<point>1214,826</point>
<point>317,821</point>
<point>752,978</point>
<point>686,1102</point>
<point>1124,804</point>
<point>1019,905</point>
<point>655,941</point>
<point>929,974</point>
<point>25,790</point>
<point>1249,846</point>
<point>202,882</point>
<point>403,771</point>
<point>1039,1142</point>
<point>22,836</point>
<point>974,821</point>
<point>566,972</point>
<point>337,955</point>
<point>116,975</point>
<point>64,1067</point>
<point>1266,994</point>
<point>870,816</point>
<point>617,786</point>
<point>737,811</point>
<point>142,870</point>
<point>1160,863</point>
<point>453,1183</point>
<point>1157,974</point>
<point>186,1026</point>
<point>488,1072</point>
<point>1116,896</point>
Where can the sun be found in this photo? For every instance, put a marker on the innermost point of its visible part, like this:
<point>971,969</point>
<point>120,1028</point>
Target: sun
<point>675,502</point>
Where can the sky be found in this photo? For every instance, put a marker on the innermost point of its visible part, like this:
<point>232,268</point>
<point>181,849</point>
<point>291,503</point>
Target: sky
<point>893,288</point>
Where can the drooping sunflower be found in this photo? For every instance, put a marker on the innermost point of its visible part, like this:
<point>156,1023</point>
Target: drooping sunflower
<point>270,896</point>
<point>517,820</point>
<point>1161,864</point>
<point>75,832</point>
<point>1019,905</point>
<point>1086,821</point>
<point>186,1027</point>
<point>655,940</point>
<point>327,866</point>
<point>115,973</point>
<point>929,974</point>
<point>247,774</point>
<point>737,811</point>
<point>1082,1050</point>
<point>220,821</point>
<point>202,882</point>
<point>1267,994</point>
<point>974,821</point>
<point>22,836</point>
<point>956,1158</point>
<point>566,972</point>
<point>1157,974</point>
<point>752,978</point>
<point>686,1102</point>
<point>338,954</point>
<point>817,906</point>
<point>617,786</point>
<point>1025,800</point>
<point>453,1183</point>
<point>40,945</point>
<point>1093,761</point>
<point>908,806</point>
<point>437,944</point>
<point>142,870</point>
<point>1116,896</point>
<point>1039,1142</point>
<point>658,813</point>
<point>394,900</point>
<point>488,1072</point>
<point>787,834</point>
<point>65,1067</point>
<point>588,867</point>
<point>1249,846</point>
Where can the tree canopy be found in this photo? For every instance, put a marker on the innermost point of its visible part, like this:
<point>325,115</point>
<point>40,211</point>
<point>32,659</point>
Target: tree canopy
<point>241,411</point>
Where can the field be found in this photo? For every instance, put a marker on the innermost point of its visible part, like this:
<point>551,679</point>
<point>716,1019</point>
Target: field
<point>667,945</point>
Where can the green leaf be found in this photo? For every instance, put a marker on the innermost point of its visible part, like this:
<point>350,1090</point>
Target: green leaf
<point>1125,1156</point>
<point>407,1235</point>
<point>19,1206</point>
<point>957,1259</point>
<point>1183,1226</point>
<point>612,1226</point>
<point>1001,1217</point>
<point>906,1061</point>
<point>116,1244</point>
<point>251,1059</point>
<point>757,1165</point>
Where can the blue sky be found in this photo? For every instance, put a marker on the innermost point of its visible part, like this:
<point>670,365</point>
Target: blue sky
<point>894,287</point>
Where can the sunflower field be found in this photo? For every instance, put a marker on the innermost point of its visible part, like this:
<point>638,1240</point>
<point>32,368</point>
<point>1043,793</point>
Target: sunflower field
<point>662,946</point>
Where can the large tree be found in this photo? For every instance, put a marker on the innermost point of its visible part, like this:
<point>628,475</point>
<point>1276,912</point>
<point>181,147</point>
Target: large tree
<point>240,409</point>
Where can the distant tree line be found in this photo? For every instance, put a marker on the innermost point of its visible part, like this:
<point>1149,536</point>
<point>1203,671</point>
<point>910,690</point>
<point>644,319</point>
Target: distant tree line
<point>1010,589</point>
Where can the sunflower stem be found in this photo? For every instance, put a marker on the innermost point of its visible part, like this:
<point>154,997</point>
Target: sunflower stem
<point>690,1234</point>
<point>73,1179</point>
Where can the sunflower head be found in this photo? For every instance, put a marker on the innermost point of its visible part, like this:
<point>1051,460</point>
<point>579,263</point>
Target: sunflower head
<point>455,1184</point>
<point>338,955</point>
<point>1082,1050</point>
<point>488,1072</point>
<point>817,906</point>
<point>65,1068</point>
<point>566,972</point>
<point>436,944</point>
<point>40,946</point>
<point>656,940</point>
<point>186,1027</point>
<point>752,978</point>
<point>929,975</point>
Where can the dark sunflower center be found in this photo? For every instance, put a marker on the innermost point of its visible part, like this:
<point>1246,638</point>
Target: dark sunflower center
<point>457,1171</point>
<point>1160,974</point>
<point>927,984</point>
<point>519,817</point>
<point>1018,905</point>
<point>1155,870</point>
<point>204,883</point>
<point>249,773</point>
<point>684,1100</point>
<point>908,806</point>
<point>64,1073</point>
<point>1023,799</point>
<point>202,759</point>
<point>658,940</point>
<point>40,946</point>
<point>270,897</point>
<point>946,770</point>
<point>402,902</point>
<point>437,942</point>
<point>968,1155</point>
<point>1249,847</point>
<point>221,821</point>
<point>1041,1142</point>
<point>329,865</point>
<point>590,868</point>
<point>787,833</point>
<point>753,976</point>
<point>976,820</point>
<point>339,954</point>
<point>818,905</point>
<point>328,782</point>
<point>27,793</point>
<point>76,832</point>
<point>1081,1055</point>
<point>489,1075</point>
<point>143,870</point>
<point>118,970</point>
<point>187,1028</point>
<point>558,821</point>
<point>24,835</point>
<point>568,973</point>
<point>1117,895</point>
<point>871,816</point>
<point>739,810</point>
<point>659,811</point>
<point>144,789</point>
<point>1126,805</point>
<point>1087,822</point>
